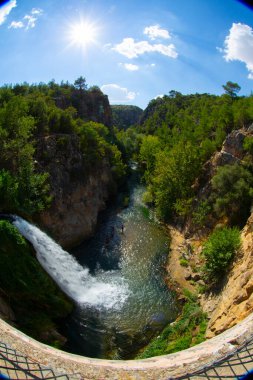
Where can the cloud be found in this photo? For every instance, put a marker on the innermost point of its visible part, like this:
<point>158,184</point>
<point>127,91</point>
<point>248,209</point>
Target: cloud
<point>239,46</point>
<point>28,21</point>
<point>36,11</point>
<point>31,21</point>
<point>118,94</point>
<point>131,49</point>
<point>16,25</point>
<point>130,66</point>
<point>6,9</point>
<point>154,32</point>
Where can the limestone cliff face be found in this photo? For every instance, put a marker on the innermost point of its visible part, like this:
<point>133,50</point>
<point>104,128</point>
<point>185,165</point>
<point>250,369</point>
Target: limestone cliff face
<point>78,193</point>
<point>236,300</point>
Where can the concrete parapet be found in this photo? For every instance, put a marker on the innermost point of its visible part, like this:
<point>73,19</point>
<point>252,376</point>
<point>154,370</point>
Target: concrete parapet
<point>158,368</point>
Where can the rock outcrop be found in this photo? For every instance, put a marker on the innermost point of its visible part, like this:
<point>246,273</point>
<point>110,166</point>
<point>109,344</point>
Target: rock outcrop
<point>232,152</point>
<point>236,300</point>
<point>78,193</point>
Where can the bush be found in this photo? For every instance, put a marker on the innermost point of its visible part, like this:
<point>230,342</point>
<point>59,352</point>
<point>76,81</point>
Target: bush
<point>184,262</point>
<point>219,251</point>
<point>232,192</point>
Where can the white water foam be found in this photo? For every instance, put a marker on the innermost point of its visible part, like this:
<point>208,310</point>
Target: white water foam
<point>72,278</point>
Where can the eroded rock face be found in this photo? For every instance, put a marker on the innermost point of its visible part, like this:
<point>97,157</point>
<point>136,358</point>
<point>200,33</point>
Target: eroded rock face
<point>236,300</point>
<point>78,193</point>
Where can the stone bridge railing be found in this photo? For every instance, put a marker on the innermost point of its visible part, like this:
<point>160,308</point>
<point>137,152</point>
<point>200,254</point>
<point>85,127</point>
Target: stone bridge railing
<point>182,364</point>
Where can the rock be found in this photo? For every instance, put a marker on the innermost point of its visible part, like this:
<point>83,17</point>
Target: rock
<point>188,276</point>
<point>196,277</point>
<point>6,311</point>
<point>236,300</point>
<point>233,144</point>
<point>78,194</point>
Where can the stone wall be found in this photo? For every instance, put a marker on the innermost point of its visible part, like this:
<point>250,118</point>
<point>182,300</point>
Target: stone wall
<point>158,368</point>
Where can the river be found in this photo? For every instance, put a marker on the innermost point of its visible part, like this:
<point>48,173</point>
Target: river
<point>132,260</point>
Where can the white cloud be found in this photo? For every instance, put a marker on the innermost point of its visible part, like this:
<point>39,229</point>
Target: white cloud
<point>36,11</point>
<point>154,32</point>
<point>29,20</point>
<point>130,66</point>
<point>118,94</point>
<point>131,49</point>
<point>239,46</point>
<point>16,25</point>
<point>6,9</point>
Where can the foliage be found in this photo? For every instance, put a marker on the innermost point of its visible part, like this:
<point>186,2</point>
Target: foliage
<point>178,134</point>
<point>36,300</point>
<point>232,191</point>
<point>187,331</point>
<point>173,179</point>
<point>124,116</point>
<point>231,88</point>
<point>183,262</point>
<point>248,144</point>
<point>219,251</point>
<point>28,113</point>
<point>200,214</point>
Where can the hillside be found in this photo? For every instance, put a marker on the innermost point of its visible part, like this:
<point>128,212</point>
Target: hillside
<point>124,116</point>
<point>57,151</point>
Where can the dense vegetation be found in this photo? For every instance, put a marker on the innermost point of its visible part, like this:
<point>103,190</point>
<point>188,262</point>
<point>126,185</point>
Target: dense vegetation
<point>36,301</point>
<point>29,113</point>
<point>125,116</point>
<point>219,250</point>
<point>176,136</point>
<point>188,330</point>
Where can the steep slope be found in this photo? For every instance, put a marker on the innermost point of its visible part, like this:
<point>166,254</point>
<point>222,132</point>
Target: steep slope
<point>124,116</point>
<point>78,192</point>
<point>236,299</point>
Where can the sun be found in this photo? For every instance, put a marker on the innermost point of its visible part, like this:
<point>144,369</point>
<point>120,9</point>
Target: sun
<point>82,34</point>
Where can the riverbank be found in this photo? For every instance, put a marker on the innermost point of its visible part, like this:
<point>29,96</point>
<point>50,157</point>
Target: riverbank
<point>180,277</point>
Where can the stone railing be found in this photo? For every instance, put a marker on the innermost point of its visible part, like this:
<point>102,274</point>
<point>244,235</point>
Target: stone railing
<point>177,365</point>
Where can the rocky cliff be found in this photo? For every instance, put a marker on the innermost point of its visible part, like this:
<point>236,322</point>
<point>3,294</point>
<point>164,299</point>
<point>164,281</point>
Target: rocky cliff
<point>78,192</point>
<point>236,299</point>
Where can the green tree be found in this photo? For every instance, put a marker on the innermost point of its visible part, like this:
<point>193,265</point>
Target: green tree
<point>231,89</point>
<point>149,148</point>
<point>80,83</point>
<point>232,192</point>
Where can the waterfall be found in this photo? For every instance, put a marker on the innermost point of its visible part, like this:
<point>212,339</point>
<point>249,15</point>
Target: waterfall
<point>72,278</point>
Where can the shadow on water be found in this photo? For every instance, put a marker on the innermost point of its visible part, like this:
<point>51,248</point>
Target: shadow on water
<point>134,257</point>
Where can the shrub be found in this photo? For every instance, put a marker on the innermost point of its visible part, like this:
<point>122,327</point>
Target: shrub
<point>232,196</point>
<point>184,262</point>
<point>219,251</point>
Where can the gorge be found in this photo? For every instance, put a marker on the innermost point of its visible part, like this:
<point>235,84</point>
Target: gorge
<point>61,168</point>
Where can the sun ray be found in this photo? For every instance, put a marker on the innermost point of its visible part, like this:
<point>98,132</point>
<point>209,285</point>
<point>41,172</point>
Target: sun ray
<point>82,34</point>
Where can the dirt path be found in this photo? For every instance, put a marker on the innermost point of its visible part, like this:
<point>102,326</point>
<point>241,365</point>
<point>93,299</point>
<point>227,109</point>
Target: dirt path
<point>177,273</point>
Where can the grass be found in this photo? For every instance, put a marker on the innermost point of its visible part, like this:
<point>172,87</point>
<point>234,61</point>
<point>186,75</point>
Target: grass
<point>188,330</point>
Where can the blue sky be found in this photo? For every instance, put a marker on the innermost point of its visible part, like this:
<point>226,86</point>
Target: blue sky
<point>134,50</point>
